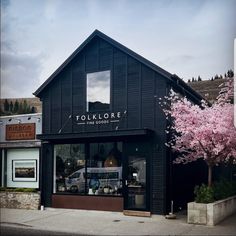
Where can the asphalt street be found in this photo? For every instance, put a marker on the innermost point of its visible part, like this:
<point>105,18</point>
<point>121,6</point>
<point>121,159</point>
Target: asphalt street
<point>21,231</point>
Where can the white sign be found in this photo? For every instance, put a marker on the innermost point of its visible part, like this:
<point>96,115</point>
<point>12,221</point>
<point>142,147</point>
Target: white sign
<point>99,118</point>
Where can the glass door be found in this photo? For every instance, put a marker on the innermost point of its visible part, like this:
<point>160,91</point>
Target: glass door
<point>135,196</point>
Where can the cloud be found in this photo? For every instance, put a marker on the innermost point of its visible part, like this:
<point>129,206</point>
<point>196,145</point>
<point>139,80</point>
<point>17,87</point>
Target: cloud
<point>188,38</point>
<point>20,71</point>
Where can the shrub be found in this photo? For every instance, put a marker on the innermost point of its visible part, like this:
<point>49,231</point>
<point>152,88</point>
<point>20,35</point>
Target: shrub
<point>25,190</point>
<point>219,190</point>
<point>204,194</point>
<point>224,189</point>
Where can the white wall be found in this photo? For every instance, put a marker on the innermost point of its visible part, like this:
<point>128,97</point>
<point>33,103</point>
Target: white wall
<point>22,154</point>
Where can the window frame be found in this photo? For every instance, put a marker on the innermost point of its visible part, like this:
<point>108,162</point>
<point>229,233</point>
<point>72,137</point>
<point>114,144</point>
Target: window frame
<point>86,92</point>
<point>85,174</point>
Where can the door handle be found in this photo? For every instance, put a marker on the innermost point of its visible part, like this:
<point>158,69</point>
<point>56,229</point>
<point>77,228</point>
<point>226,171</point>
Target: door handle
<point>126,182</point>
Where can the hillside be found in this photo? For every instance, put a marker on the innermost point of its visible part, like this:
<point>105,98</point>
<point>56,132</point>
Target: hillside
<point>32,102</point>
<point>209,89</point>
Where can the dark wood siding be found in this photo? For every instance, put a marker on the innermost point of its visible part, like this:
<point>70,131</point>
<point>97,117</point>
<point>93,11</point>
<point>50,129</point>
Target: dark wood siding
<point>46,109</point>
<point>66,101</point>
<point>159,159</point>
<point>120,94</point>
<point>133,92</point>
<point>56,106</point>
<point>148,99</point>
<point>78,89</point>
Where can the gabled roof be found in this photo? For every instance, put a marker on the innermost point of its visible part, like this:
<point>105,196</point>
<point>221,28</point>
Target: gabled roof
<point>171,77</point>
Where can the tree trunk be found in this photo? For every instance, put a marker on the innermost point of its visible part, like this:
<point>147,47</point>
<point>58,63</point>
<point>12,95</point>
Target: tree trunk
<point>209,175</point>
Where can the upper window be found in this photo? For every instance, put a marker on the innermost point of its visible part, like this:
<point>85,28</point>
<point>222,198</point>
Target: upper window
<point>98,91</point>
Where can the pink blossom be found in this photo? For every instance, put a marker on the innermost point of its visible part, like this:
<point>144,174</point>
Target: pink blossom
<point>205,132</point>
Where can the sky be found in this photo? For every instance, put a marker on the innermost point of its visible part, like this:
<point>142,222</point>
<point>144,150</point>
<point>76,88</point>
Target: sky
<point>185,37</point>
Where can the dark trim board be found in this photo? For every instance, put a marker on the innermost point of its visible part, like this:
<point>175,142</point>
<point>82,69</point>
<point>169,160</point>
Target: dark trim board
<point>89,135</point>
<point>88,202</point>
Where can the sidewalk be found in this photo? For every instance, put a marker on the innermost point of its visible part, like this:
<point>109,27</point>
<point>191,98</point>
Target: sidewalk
<point>109,223</point>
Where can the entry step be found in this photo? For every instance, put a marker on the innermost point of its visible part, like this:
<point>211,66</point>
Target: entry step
<point>137,213</point>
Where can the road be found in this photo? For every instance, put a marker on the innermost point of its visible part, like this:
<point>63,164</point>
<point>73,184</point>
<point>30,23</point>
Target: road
<point>22,231</point>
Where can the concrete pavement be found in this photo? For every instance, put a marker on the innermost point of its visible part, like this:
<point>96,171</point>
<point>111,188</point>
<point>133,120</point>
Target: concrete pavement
<point>108,223</point>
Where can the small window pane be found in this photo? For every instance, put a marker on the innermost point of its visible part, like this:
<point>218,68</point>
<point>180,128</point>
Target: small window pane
<point>98,91</point>
<point>69,164</point>
<point>104,169</point>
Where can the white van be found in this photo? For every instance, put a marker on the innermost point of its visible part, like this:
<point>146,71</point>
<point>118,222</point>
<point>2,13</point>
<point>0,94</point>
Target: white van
<point>98,178</point>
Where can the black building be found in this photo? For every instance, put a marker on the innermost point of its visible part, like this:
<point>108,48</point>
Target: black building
<point>103,136</point>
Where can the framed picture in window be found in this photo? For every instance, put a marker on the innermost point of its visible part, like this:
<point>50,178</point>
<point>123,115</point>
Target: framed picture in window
<point>24,170</point>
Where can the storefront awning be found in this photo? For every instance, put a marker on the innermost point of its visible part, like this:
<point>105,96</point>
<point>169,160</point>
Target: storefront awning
<point>98,134</point>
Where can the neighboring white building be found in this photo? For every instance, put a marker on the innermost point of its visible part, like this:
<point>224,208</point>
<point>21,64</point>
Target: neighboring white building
<point>20,150</point>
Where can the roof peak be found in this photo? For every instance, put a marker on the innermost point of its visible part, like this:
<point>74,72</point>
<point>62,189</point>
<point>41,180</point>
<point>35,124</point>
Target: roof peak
<point>122,48</point>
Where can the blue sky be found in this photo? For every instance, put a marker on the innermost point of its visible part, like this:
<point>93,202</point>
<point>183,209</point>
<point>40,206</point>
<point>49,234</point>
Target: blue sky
<point>185,37</point>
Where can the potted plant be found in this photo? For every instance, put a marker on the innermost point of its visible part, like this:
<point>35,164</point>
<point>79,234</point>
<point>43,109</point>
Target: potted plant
<point>212,203</point>
<point>106,189</point>
<point>95,190</point>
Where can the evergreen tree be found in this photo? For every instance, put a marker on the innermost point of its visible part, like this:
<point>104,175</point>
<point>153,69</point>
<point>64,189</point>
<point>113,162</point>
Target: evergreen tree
<point>33,110</point>
<point>230,74</point>
<point>20,110</point>
<point>199,78</point>
<point>11,107</point>
<point>25,107</point>
<point>1,111</point>
<point>16,107</point>
<point>28,109</point>
<point>6,105</point>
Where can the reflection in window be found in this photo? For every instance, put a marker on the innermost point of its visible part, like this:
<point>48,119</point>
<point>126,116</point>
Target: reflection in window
<point>104,170</point>
<point>69,164</point>
<point>98,91</point>
<point>136,182</point>
<point>99,174</point>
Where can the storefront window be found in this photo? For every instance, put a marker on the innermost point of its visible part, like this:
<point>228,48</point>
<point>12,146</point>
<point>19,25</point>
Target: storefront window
<point>69,168</point>
<point>98,91</point>
<point>104,169</point>
<point>98,174</point>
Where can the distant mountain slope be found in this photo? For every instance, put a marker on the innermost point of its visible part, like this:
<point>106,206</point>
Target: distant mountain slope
<point>32,102</point>
<point>209,89</point>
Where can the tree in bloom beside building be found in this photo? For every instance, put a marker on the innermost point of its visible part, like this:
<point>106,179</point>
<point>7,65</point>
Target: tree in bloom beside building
<point>202,132</point>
